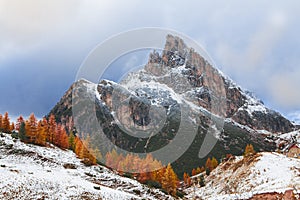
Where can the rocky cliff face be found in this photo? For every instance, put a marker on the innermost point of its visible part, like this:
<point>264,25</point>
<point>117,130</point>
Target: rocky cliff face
<point>239,105</point>
<point>151,100</point>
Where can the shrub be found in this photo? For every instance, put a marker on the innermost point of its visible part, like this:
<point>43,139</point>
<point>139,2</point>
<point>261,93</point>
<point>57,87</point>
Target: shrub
<point>127,175</point>
<point>137,192</point>
<point>201,181</point>
<point>207,171</point>
<point>180,194</point>
<point>153,184</point>
<point>14,135</point>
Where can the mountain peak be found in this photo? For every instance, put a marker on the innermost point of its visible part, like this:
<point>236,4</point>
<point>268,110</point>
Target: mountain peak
<point>177,77</point>
<point>187,72</point>
<point>175,44</point>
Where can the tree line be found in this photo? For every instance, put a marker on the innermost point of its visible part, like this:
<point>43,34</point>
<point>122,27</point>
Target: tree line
<point>45,132</point>
<point>211,164</point>
<point>146,170</point>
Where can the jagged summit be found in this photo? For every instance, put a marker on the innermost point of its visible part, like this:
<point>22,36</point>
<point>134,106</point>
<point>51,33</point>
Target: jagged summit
<point>189,74</point>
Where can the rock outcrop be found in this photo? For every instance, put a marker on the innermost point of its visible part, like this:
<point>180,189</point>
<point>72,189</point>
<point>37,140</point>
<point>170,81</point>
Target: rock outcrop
<point>240,106</point>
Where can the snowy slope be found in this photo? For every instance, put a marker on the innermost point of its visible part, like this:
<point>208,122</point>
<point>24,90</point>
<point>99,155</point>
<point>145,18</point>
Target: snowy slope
<point>244,177</point>
<point>33,172</point>
<point>294,135</point>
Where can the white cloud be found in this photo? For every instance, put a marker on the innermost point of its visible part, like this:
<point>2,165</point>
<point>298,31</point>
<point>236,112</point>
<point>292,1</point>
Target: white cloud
<point>264,63</point>
<point>264,40</point>
<point>284,88</point>
<point>240,36</point>
<point>25,24</point>
<point>30,24</point>
<point>249,58</point>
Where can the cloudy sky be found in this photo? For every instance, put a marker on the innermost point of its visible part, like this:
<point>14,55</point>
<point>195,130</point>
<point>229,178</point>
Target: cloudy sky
<point>43,43</point>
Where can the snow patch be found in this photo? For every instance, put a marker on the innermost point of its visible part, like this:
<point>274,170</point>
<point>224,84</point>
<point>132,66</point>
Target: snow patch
<point>242,178</point>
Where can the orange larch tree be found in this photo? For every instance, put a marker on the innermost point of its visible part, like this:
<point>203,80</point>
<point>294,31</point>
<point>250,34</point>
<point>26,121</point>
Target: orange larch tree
<point>126,164</point>
<point>57,135</point>
<point>214,163</point>
<point>6,123</point>
<point>45,129</point>
<point>169,180</point>
<point>52,128</point>
<point>1,118</point>
<point>112,159</point>
<point>147,165</point>
<point>185,176</point>
<point>194,172</point>
<point>78,146</point>
<point>64,139</point>
<point>208,164</point>
<point>31,129</point>
<point>86,154</point>
<point>189,181</point>
<point>249,150</point>
<point>200,170</point>
<point>186,179</point>
<point>12,126</point>
<point>41,135</point>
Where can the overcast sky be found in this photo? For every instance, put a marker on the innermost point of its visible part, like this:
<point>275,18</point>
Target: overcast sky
<point>43,43</point>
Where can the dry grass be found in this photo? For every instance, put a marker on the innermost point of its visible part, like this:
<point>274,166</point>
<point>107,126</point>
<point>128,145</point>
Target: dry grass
<point>246,161</point>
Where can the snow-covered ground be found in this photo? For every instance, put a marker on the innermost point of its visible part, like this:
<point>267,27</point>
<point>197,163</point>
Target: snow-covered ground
<point>291,136</point>
<point>243,178</point>
<point>32,172</point>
